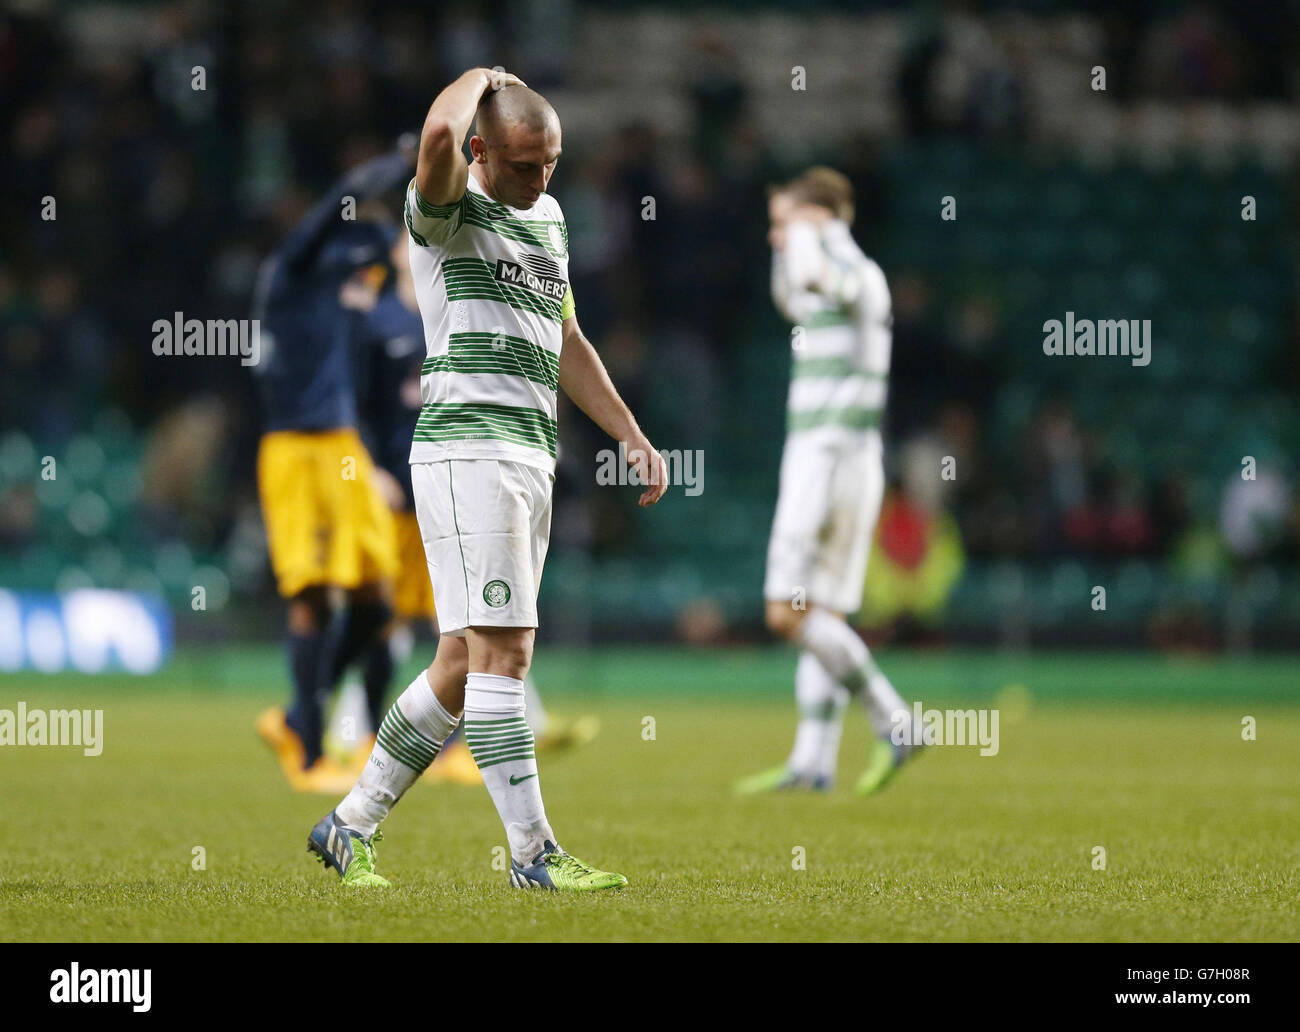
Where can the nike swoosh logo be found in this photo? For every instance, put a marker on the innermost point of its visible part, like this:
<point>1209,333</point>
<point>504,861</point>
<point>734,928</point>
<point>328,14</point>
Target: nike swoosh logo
<point>514,780</point>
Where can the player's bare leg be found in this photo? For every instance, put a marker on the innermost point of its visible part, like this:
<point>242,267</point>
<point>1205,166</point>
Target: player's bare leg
<point>446,674</point>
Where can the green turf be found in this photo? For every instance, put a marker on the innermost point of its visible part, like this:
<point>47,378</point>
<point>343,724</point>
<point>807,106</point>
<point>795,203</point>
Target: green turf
<point>1200,828</point>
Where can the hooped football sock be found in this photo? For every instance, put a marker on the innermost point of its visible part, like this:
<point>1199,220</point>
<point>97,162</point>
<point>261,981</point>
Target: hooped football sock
<point>409,739</point>
<point>847,658</point>
<point>534,711</point>
<point>502,745</point>
<point>821,701</point>
<point>885,707</point>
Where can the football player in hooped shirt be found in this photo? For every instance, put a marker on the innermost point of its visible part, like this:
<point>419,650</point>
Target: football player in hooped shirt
<point>489,257</point>
<point>832,482</point>
<point>392,354</point>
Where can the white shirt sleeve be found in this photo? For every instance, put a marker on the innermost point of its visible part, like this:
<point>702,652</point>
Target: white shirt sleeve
<point>431,224</point>
<point>805,258</point>
<point>812,266</point>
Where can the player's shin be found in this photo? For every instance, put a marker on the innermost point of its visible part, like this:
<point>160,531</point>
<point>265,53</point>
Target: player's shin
<point>821,701</point>
<point>409,739</point>
<point>885,707</point>
<point>353,631</point>
<point>846,657</point>
<point>305,716</point>
<point>379,665</point>
<point>501,742</point>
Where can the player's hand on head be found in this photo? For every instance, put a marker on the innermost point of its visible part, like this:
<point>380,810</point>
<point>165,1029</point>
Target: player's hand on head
<point>502,79</point>
<point>358,293</point>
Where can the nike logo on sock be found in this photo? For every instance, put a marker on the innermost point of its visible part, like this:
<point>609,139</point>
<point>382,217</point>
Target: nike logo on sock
<point>514,780</point>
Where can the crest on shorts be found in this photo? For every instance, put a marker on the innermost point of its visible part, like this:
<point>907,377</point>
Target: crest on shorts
<point>496,593</point>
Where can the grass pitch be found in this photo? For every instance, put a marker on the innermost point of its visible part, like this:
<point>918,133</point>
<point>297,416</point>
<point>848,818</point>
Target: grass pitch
<point>1141,756</point>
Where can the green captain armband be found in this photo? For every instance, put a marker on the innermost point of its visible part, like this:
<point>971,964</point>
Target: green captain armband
<point>567,308</point>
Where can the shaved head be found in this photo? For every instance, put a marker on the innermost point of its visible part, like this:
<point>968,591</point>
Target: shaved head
<point>514,107</point>
<point>515,146</point>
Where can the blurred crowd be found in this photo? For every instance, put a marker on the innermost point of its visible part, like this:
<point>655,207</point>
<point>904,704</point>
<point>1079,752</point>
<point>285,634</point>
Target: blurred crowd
<point>167,197</point>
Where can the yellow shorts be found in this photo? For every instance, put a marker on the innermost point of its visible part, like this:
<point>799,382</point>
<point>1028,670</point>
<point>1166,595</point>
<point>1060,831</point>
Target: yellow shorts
<point>326,522</point>
<point>413,597</point>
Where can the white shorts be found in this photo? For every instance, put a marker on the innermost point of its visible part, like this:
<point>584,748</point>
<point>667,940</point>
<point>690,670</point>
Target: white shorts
<point>831,490</point>
<point>485,524</point>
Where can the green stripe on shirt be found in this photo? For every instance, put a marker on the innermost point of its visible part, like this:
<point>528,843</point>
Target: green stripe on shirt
<point>497,218</point>
<point>848,418</point>
<point>435,211</point>
<point>837,367</point>
<point>473,279</point>
<point>829,317</point>
<point>513,424</point>
<point>496,353</point>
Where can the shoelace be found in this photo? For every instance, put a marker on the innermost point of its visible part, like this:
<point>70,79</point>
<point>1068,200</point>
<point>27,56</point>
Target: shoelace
<point>371,854</point>
<point>570,861</point>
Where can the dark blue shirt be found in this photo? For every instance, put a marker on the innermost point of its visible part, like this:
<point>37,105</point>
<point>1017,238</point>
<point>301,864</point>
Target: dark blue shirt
<point>391,339</point>
<point>305,373</point>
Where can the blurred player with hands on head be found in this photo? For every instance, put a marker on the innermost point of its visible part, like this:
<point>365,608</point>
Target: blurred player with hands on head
<point>832,480</point>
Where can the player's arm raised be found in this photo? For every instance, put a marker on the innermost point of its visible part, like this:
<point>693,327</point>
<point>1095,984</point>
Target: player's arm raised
<point>370,179</point>
<point>584,379</point>
<point>809,265</point>
<point>441,172</point>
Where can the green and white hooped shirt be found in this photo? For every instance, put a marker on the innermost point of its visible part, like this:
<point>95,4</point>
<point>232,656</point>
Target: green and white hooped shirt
<point>839,301</point>
<point>493,287</point>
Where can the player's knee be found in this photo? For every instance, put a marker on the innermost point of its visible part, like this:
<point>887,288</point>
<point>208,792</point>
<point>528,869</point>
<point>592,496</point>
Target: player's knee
<point>506,653</point>
<point>511,658</point>
<point>452,657</point>
<point>783,619</point>
<point>309,611</point>
<point>371,612</point>
<point>374,593</point>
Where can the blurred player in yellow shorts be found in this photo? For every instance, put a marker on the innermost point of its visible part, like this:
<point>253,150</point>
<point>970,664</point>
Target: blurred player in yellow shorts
<point>326,521</point>
<point>413,593</point>
<point>330,532</point>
